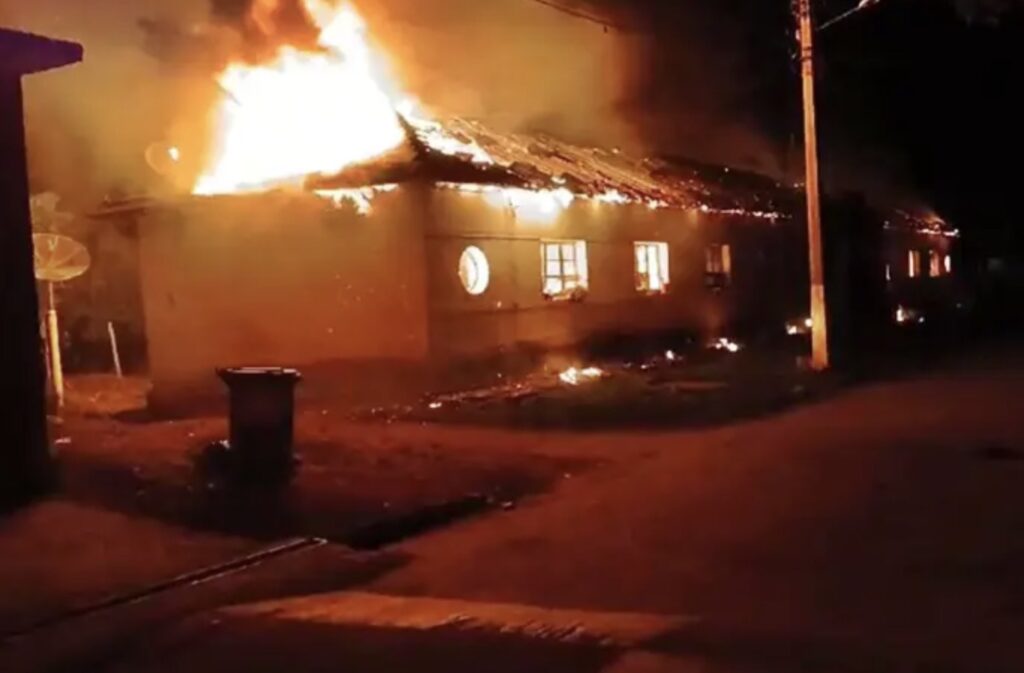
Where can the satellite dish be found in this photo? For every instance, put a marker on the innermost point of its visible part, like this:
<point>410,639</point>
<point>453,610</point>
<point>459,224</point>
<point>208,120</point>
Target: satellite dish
<point>59,258</point>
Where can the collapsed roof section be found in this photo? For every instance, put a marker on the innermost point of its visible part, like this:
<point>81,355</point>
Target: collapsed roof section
<point>467,152</point>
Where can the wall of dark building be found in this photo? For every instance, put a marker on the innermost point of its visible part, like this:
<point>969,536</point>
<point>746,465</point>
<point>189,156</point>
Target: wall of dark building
<point>935,295</point>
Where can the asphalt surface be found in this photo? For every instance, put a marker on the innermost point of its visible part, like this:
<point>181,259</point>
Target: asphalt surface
<point>881,530</point>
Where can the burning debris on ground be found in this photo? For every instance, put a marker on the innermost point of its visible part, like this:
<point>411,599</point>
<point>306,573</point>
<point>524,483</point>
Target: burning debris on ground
<point>694,382</point>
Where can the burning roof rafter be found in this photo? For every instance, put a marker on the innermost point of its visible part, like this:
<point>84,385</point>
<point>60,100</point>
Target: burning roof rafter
<point>921,223</point>
<point>460,151</point>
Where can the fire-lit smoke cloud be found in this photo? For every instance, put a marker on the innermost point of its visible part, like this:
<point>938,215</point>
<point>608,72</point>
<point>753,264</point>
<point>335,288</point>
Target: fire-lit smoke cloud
<point>151,68</point>
<point>516,63</point>
<point>685,77</point>
<point>88,125</point>
<point>265,24</point>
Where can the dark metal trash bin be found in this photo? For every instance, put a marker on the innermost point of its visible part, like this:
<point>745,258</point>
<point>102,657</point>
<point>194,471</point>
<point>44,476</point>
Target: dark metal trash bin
<point>262,401</point>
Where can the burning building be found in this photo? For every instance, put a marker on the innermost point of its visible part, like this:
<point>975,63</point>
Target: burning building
<point>334,223</point>
<point>440,257</point>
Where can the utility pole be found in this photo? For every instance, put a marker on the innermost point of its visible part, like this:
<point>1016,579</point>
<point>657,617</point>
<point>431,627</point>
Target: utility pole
<point>819,316</point>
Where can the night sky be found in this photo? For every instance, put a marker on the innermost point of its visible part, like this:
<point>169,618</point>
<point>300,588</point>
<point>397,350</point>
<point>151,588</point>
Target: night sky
<point>918,99</point>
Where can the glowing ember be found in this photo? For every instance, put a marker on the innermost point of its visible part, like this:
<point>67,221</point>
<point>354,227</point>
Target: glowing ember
<point>540,206</point>
<point>612,196</point>
<point>575,377</point>
<point>769,215</point>
<point>909,316</point>
<point>797,327</point>
<point>436,138</point>
<point>670,356</point>
<point>303,113</point>
<point>361,199</point>
<point>725,344</point>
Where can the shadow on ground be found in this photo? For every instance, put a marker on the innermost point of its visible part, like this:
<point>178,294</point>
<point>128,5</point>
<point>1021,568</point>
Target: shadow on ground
<point>365,495</point>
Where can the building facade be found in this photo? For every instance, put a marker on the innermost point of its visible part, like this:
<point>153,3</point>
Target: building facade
<point>445,263</point>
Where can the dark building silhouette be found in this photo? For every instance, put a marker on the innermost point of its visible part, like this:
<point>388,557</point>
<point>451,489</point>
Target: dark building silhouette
<point>24,453</point>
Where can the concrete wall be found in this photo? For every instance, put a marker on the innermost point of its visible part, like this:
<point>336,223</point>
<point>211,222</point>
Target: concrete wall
<point>280,280</point>
<point>292,280</point>
<point>769,274</point>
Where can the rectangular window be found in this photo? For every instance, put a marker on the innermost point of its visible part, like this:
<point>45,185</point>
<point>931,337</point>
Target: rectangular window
<point>652,274</point>
<point>935,266</point>
<point>565,269</point>
<point>718,266</point>
<point>914,263</point>
<point>948,263</point>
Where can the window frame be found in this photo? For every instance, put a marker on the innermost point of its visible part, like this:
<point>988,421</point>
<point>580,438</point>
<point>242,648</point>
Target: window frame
<point>651,262</point>
<point>479,282</point>
<point>573,273</point>
<point>914,263</point>
<point>718,265</point>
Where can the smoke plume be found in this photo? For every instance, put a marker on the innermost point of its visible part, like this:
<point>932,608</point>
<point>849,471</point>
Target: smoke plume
<point>265,24</point>
<point>150,73</point>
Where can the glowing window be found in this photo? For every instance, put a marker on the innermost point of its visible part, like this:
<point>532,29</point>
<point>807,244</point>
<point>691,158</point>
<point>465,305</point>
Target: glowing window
<point>718,266</point>
<point>934,264</point>
<point>565,269</point>
<point>652,267</point>
<point>914,263</point>
<point>948,264</point>
<point>474,270</point>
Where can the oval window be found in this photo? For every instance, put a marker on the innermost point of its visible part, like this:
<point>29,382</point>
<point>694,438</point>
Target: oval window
<point>474,270</point>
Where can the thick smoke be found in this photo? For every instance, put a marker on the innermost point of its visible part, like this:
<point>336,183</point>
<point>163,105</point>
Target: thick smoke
<point>265,24</point>
<point>516,63</point>
<point>684,77</point>
<point>150,71</point>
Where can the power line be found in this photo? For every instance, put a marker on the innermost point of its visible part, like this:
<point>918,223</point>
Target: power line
<point>583,15</point>
<point>606,24</point>
<point>864,4</point>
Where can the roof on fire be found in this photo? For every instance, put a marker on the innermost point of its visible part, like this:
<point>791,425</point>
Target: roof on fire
<point>543,162</point>
<point>540,161</point>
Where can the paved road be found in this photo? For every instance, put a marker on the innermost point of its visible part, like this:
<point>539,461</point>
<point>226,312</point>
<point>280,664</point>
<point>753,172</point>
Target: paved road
<point>882,530</point>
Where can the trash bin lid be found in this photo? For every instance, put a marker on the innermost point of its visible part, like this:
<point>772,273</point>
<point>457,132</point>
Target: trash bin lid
<point>261,373</point>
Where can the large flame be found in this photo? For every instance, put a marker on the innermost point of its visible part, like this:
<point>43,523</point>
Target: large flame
<point>305,112</point>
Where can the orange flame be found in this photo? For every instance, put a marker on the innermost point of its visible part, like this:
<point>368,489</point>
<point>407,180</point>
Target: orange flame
<point>305,112</point>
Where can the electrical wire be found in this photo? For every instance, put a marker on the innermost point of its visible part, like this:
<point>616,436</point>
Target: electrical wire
<point>581,14</point>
